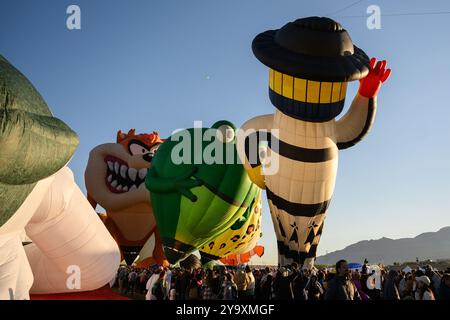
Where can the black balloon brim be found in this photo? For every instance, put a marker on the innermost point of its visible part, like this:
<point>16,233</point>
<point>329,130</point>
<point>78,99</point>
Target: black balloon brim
<point>332,69</point>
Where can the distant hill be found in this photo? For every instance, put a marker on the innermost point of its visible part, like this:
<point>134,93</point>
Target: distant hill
<point>429,245</point>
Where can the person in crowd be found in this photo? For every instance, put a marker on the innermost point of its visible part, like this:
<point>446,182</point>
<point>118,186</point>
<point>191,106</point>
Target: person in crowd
<point>383,280</point>
<point>418,273</point>
<point>258,276</point>
<point>183,281</point>
<point>123,279</point>
<point>321,277</point>
<point>434,278</point>
<point>423,290</point>
<point>282,283</point>
<point>407,292</point>
<point>356,279</point>
<point>208,285</point>
<point>363,282</point>
<point>266,284</point>
<point>195,285</point>
<point>250,283</point>
<point>173,291</point>
<point>168,279</point>
<point>341,287</point>
<point>402,283</point>
<point>159,287</point>
<point>216,283</point>
<point>126,286</point>
<point>314,288</point>
<point>299,284</point>
<point>365,267</point>
<point>143,278</point>
<point>151,282</point>
<point>444,288</point>
<point>390,289</point>
<point>242,281</point>
<point>229,290</point>
<point>132,281</point>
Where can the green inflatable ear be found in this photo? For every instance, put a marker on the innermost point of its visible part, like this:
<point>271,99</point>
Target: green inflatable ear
<point>221,123</point>
<point>33,143</point>
<point>226,131</point>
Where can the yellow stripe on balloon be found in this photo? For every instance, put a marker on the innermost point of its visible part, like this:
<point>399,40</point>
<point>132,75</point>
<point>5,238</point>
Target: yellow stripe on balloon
<point>299,89</point>
<point>313,91</point>
<point>343,90</point>
<point>325,92</point>
<point>278,82</point>
<point>288,83</point>
<point>271,78</point>
<point>306,90</point>
<point>335,96</point>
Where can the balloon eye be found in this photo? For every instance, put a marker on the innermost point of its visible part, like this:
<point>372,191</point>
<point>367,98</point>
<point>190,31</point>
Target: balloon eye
<point>154,149</point>
<point>137,149</point>
<point>225,134</point>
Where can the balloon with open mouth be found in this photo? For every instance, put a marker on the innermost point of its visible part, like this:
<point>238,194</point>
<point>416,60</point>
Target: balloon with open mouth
<point>115,177</point>
<point>198,188</point>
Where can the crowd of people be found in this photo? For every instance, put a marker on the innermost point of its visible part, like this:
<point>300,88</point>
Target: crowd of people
<point>284,283</point>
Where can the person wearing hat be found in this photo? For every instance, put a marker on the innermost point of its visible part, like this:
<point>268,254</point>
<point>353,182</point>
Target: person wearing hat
<point>310,60</point>
<point>423,290</point>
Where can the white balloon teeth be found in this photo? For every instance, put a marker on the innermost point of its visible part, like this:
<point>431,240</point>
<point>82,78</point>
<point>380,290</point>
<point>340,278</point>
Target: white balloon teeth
<point>120,178</point>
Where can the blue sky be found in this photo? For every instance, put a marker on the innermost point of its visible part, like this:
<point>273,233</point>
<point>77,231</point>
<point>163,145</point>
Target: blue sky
<point>160,65</point>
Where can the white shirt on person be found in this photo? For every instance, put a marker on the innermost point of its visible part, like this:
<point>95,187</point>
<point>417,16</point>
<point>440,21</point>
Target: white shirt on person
<point>150,283</point>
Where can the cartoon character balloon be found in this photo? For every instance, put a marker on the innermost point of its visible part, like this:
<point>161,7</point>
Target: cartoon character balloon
<point>114,177</point>
<point>198,188</point>
<point>38,194</point>
<point>310,62</point>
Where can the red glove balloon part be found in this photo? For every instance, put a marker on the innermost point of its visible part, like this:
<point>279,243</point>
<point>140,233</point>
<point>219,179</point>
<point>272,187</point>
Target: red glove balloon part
<point>370,85</point>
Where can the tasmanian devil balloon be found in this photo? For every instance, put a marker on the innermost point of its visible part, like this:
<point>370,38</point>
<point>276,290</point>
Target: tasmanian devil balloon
<point>310,62</point>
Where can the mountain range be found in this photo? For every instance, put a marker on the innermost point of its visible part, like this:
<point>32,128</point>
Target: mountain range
<point>429,245</point>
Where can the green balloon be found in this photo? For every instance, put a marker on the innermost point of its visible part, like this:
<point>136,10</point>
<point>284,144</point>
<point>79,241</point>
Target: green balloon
<point>33,143</point>
<point>198,188</point>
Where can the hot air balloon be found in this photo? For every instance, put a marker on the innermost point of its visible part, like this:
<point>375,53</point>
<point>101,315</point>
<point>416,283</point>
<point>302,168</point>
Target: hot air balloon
<point>198,188</point>
<point>114,178</point>
<point>241,237</point>
<point>38,194</point>
<point>311,60</point>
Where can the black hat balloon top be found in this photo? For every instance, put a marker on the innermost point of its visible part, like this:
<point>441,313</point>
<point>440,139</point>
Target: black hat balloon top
<point>310,62</point>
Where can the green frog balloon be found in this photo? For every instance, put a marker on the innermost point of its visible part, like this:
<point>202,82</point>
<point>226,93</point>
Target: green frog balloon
<point>198,188</point>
